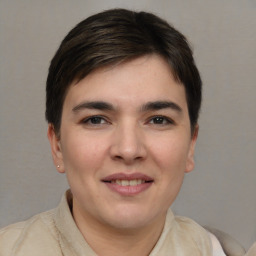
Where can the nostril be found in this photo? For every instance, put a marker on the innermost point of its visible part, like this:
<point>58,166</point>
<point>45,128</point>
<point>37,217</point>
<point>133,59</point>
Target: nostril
<point>118,157</point>
<point>128,158</point>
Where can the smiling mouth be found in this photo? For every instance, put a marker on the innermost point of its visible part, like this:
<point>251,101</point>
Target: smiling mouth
<point>125,183</point>
<point>128,184</point>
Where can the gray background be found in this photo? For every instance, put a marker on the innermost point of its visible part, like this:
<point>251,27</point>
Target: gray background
<point>220,191</point>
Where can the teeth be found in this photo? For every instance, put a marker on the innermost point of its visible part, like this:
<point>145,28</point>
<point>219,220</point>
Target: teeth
<point>140,181</point>
<point>128,182</point>
<point>125,183</point>
<point>133,182</point>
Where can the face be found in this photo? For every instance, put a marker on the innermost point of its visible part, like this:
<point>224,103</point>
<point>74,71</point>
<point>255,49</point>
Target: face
<point>125,143</point>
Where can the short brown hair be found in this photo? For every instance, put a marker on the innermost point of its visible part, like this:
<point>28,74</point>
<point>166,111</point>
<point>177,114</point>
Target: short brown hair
<point>114,36</point>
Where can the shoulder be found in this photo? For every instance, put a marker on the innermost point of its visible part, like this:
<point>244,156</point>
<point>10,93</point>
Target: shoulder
<point>188,225</point>
<point>8,237</point>
<point>194,231</point>
<point>29,236</point>
<point>200,235</point>
<point>183,236</point>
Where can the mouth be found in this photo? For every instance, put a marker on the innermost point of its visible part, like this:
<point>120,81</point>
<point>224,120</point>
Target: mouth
<point>125,183</point>
<point>128,184</point>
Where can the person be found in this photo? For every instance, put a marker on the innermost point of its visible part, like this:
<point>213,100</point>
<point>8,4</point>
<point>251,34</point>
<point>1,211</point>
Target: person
<point>123,96</point>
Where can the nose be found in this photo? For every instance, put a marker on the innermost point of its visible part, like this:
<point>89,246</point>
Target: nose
<point>128,144</point>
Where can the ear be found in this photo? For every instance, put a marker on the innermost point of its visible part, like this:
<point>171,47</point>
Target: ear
<point>56,149</point>
<point>190,160</point>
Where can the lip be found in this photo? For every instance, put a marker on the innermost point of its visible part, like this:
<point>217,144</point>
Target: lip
<point>124,176</point>
<point>128,190</point>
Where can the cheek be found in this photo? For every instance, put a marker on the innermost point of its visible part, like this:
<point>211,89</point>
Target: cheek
<point>171,154</point>
<point>170,159</point>
<point>82,154</point>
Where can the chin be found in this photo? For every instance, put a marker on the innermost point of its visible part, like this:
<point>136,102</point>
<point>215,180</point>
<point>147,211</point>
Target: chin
<point>128,223</point>
<point>131,219</point>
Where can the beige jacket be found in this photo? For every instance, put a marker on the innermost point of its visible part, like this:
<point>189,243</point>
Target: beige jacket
<point>54,233</point>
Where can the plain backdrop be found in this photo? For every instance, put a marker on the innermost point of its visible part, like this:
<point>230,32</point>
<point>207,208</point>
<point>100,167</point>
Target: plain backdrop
<point>221,191</point>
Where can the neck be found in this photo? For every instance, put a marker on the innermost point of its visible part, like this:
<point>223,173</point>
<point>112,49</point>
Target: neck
<point>109,241</point>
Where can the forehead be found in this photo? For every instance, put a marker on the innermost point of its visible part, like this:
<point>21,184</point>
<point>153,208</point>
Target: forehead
<point>147,78</point>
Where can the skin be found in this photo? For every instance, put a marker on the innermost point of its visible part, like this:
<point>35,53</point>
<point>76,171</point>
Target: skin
<point>131,135</point>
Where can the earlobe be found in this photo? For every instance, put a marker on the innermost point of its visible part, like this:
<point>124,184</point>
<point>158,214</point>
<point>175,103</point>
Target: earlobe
<point>190,161</point>
<point>55,148</point>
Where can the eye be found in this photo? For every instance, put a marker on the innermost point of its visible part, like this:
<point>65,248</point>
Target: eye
<point>161,120</point>
<point>95,120</point>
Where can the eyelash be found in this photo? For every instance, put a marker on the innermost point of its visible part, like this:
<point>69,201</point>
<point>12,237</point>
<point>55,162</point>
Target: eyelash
<point>166,120</point>
<point>89,120</point>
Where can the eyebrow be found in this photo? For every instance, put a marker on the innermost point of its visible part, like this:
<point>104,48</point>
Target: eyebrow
<point>150,106</point>
<point>158,105</point>
<point>100,105</point>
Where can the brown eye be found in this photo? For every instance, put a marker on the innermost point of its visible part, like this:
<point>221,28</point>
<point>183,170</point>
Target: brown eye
<point>160,120</point>
<point>95,120</point>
